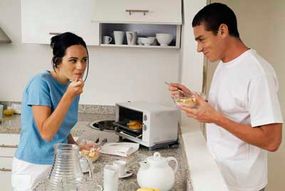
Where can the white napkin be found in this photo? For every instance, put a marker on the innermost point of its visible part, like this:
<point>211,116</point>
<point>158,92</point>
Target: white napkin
<point>121,149</point>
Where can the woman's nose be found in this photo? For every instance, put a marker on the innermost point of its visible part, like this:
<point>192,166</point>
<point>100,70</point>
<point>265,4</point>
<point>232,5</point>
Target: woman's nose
<point>81,65</point>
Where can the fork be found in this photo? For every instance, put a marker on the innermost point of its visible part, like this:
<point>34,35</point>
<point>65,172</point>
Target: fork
<point>103,142</point>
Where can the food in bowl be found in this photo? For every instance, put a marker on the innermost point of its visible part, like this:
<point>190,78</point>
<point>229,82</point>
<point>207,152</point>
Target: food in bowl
<point>164,39</point>
<point>186,101</point>
<point>92,154</point>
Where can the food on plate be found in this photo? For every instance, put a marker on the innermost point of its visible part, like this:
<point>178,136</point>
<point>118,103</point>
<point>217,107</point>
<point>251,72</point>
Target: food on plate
<point>91,154</point>
<point>134,124</point>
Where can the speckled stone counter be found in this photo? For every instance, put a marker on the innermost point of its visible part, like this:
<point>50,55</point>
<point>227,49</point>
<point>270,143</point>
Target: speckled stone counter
<point>83,130</point>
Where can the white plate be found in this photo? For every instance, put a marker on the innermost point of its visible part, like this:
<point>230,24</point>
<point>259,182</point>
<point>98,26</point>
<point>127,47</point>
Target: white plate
<point>121,149</point>
<point>127,174</point>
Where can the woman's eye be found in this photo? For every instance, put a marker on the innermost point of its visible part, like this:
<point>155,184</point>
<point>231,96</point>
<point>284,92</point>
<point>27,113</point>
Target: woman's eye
<point>72,61</point>
<point>84,60</point>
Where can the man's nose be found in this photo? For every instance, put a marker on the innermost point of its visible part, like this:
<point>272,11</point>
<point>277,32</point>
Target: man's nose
<point>199,47</point>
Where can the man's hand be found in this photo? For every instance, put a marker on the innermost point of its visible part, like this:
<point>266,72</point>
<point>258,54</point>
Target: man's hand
<point>178,90</point>
<point>203,111</point>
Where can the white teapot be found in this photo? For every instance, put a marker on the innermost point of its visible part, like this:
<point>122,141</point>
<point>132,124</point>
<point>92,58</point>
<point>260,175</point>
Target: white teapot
<point>155,172</point>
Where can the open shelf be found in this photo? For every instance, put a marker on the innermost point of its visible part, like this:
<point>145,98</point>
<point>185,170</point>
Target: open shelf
<point>143,30</point>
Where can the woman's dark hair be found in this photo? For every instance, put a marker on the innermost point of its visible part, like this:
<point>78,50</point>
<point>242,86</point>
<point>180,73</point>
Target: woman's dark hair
<point>215,14</point>
<point>60,43</point>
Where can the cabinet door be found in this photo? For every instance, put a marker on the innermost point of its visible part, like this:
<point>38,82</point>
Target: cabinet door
<point>9,139</point>
<point>41,19</point>
<point>8,144</point>
<point>5,180</point>
<point>139,11</point>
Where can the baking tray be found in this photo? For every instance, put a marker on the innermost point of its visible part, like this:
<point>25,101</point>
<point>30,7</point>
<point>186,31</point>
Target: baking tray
<point>124,126</point>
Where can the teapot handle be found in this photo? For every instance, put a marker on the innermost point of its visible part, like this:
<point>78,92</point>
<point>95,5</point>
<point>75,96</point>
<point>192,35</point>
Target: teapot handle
<point>176,163</point>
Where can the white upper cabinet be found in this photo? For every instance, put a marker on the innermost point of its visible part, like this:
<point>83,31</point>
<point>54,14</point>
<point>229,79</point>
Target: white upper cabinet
<point>41,19</point>
<point>139,11</point>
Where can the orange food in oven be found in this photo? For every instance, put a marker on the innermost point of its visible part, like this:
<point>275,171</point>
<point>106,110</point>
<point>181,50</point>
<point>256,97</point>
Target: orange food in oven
<point>134,124</point>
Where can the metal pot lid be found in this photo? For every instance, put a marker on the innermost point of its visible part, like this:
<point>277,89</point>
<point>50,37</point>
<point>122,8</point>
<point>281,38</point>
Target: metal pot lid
<point>103,125</point>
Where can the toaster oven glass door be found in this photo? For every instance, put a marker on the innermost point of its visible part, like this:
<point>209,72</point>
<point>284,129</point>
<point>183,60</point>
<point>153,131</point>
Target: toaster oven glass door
<point>126,118</point>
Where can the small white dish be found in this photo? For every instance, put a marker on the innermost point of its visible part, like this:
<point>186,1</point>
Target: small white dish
<point>128,173</point>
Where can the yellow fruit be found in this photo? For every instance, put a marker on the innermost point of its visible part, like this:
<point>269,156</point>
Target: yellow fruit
<point>148,189</point>
<point>8,112</point>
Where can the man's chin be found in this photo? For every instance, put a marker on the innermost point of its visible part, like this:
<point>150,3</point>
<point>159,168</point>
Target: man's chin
<point>213,59</point>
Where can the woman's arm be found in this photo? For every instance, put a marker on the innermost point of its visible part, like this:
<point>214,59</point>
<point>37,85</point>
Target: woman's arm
<point>49,122</point>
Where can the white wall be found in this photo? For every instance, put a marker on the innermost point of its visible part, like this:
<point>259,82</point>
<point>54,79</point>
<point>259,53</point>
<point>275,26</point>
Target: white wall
<point>116,74</point>
<point>191,61</point>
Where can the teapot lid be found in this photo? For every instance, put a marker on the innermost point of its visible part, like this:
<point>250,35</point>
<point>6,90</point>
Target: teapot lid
<point>156,158</point>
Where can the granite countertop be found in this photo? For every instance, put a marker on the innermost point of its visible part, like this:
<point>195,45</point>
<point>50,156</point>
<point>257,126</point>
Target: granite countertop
<point>11,125</point>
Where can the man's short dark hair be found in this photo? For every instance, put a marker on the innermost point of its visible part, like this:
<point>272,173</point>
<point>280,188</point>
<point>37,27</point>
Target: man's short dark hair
<point>215,14</point>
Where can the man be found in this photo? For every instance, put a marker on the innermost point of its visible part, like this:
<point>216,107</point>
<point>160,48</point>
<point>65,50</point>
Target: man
<point>242,113</point>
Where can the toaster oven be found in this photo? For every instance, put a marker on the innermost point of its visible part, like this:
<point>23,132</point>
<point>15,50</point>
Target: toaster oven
<point>157,125</point>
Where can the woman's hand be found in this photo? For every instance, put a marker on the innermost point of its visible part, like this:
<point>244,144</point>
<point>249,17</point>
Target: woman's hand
<point>75,88</point>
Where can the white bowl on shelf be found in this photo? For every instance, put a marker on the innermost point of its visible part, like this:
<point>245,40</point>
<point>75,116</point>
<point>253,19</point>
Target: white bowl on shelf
<point>147,41</point>
<point>164,39</point>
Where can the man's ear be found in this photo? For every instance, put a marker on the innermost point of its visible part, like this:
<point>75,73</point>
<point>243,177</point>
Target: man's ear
<point>223,30</point>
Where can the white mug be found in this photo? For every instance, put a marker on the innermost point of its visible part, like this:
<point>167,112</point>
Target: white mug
<point>131,37</point>
<point>107,39</point>
<point>119,37</point>
<point>111,178</point>
<point>120,165</point>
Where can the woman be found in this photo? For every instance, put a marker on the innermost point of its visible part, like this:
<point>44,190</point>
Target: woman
<point>49,110</point>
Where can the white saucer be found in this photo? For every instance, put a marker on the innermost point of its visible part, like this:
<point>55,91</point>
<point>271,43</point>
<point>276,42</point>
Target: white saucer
<point>127,174</point>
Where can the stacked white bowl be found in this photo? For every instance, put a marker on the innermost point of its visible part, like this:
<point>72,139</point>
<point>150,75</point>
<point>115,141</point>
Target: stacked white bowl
<point>164,39</point>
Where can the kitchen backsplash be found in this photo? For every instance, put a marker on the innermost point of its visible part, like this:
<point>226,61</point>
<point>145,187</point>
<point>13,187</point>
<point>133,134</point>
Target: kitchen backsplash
<point>96,109</point>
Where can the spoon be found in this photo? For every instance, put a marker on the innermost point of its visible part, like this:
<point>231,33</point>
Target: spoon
<point>180,90</point>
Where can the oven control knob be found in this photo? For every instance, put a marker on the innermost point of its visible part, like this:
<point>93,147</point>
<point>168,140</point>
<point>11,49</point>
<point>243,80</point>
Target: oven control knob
<point>144,127</point>
<point>144,117</point>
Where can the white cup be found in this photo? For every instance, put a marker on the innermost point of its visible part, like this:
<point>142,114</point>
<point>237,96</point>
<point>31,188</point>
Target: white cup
<point>120,165</point>
<point>119,37</point>
<point>131,37</point>
<point>111,178</point>
<point>107,39</point>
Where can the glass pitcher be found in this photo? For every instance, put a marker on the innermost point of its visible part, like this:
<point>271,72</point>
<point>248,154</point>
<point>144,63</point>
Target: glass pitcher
<point>66,173</point>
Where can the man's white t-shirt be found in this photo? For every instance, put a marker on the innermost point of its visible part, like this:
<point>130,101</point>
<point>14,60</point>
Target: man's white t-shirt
<point>244,90</point>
